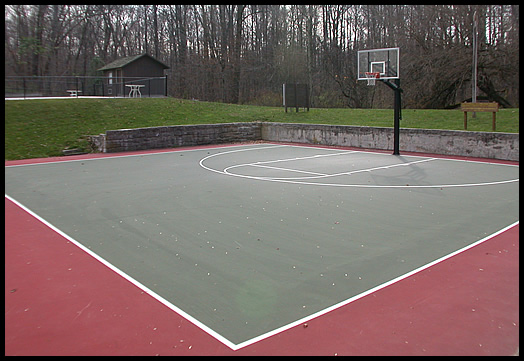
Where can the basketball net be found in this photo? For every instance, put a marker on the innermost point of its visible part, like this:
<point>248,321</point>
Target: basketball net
<point>372,77</point>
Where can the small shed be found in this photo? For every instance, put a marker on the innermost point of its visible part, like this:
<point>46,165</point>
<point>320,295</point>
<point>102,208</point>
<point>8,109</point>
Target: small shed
<point>142,70</point>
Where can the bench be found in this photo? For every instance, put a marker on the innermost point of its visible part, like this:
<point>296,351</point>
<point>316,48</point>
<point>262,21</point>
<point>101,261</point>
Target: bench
<point>479,107</point>
<point>73,93</point>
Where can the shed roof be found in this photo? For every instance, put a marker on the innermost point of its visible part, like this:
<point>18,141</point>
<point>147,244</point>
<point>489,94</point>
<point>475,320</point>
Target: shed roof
<point>122,62</point>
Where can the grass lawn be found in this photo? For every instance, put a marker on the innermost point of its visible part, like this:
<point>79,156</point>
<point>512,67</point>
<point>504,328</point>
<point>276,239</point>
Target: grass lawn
<point>43,128</point>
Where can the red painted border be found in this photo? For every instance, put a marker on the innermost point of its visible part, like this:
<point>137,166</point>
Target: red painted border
<point>108,155</point>
<point>166,150</point>
<point>61,301</point>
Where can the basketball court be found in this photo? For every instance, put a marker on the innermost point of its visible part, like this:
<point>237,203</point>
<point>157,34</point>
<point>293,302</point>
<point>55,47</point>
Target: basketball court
<point>261,249</point>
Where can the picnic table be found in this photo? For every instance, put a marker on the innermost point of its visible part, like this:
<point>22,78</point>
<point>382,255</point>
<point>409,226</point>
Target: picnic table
<point>134,92</point>
<point>73,92</point>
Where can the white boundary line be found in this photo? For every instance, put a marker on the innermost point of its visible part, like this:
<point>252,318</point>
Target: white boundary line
<point>371,290</point>
<point>121,273</point>
<point>251,341</point>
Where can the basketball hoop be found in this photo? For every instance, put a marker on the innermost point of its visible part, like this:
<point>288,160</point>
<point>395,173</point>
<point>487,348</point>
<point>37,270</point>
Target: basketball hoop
<point>372,77</point>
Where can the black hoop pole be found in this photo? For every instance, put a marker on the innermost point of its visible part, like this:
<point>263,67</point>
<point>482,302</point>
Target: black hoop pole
<point>397,109</point>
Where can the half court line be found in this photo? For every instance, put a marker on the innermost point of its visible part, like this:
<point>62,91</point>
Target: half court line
<point>289,170</point>
<point>305,180</point>
<point>322,175</point>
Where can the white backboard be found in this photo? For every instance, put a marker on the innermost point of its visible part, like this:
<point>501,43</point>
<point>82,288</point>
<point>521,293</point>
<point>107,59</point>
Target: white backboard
<point>385,61</point>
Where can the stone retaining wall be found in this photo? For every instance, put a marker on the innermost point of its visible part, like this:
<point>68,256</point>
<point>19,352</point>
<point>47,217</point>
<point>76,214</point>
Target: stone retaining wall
<point>448,142</point>
<point>462,143</point>
<point>175,136</point>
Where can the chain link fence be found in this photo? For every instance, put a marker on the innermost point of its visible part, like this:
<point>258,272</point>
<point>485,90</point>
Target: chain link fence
<point>63,86</point>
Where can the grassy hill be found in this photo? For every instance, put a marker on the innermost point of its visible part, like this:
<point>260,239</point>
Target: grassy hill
<point>43,128</point>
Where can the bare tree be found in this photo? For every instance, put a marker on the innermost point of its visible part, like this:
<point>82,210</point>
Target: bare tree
<point>243,53</point>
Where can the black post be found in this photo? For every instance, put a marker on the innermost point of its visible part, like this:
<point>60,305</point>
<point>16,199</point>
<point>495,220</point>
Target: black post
<point>284,96</point>
<point>296,98</point>
<point>307,96</point>
<point>396,132</point>
<point>398,115</point>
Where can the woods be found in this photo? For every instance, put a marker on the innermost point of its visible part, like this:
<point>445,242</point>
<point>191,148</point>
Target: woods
<point>244,53</point>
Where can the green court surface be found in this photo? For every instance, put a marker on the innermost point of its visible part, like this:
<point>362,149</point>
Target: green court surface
<point>246,240</point>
